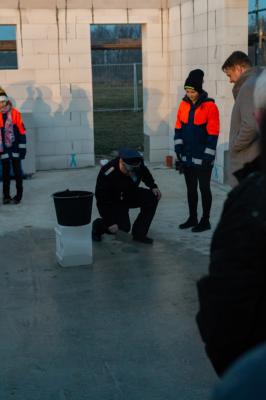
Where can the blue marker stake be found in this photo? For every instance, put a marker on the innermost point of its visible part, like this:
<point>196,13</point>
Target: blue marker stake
<point>73,162</point>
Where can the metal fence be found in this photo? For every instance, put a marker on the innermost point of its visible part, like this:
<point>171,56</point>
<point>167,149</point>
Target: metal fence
<point>117,87</point>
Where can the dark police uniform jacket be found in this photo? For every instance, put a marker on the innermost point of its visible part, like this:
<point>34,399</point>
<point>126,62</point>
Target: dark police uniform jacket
<point>115,189</point>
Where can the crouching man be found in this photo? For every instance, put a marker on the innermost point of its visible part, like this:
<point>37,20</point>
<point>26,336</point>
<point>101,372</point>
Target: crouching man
<point>117,190</point>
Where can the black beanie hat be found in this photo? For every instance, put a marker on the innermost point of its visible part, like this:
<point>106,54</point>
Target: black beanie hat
<point>195,80</point>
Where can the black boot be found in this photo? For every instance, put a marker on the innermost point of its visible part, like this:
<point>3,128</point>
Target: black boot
<point>190,222</point>
<point>203,225</point>
<point>143,239</point>
<point>97,230</point>
<point>7,200</point>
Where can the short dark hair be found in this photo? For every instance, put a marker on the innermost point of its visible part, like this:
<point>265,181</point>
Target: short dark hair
<point>237,58</point>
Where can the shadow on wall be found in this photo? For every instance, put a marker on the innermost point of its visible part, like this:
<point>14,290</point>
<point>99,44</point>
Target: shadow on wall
<point>59,123</point>
<point>156,127</point>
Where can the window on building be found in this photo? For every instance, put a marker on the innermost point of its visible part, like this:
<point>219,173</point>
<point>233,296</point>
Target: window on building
<point>8,47</point>
<point>257,31</point>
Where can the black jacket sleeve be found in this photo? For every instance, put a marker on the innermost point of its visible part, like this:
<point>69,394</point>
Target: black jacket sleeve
<point>147,178</point>
<point>106,197</point>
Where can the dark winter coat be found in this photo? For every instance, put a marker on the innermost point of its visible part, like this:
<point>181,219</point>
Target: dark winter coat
<point>232,315</point>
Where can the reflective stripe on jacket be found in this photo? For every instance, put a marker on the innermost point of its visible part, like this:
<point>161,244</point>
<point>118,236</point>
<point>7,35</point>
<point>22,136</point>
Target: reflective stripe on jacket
<point>196,130</point>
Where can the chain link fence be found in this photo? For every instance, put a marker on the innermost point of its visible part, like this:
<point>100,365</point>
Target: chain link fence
<point>118,107</point>
<point>117,87</point>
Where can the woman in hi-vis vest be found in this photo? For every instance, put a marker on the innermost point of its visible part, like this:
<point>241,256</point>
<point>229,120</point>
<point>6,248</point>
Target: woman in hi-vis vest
<point>12,148</point>
<point>196,134</point>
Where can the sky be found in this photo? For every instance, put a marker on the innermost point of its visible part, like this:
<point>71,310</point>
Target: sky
<point>7,32</point>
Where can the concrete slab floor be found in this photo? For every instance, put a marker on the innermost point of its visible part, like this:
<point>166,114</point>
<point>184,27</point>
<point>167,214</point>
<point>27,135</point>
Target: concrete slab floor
<point>123,328</point>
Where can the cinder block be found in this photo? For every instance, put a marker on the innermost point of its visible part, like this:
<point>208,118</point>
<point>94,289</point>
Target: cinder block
<point>87,119</point>
<point>187,9</point>
<point>36,31</point>
<point>79,132</point>
<point>37,62</point>
<point>47,76</point>
<point>45,148</point>
<point>18,76</point>
<point>29,4</point>
<point>47,46</point>
<point>236,17</point>
<point>44,163</point>
<point>37,16</point>
<point>174,14</point>
<point>157,59</point>
<point>78,46</point>
<point>61,148</point>
<point>78,75</point>
<point>155,73</point>
<point>57,119</point>
<point>2,77</point>
<point>236,35</point>
<point>111,16</point>
<point>8,20</point>
<point>11,10</point>
<point>200,6</point>
<point>82,146</point>
<point>82,31</point>
<point>52,134</point>
<point>158,155</point>
<point>83,90</point>
<point>86,160</point>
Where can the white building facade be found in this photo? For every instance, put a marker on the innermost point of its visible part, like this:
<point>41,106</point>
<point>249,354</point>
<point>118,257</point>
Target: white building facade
<point>53,83</point>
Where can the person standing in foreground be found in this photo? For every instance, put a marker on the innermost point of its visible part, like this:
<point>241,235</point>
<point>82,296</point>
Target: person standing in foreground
<point>12,147</point>
<point>196,134</point>
<point>244,136</point>
<point>232,297</point>
<point>117,190</point>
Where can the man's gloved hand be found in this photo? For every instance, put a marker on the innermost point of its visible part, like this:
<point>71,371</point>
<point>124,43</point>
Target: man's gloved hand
<point>207,164</point>
<point>157,193</point>
<point>179,165</point>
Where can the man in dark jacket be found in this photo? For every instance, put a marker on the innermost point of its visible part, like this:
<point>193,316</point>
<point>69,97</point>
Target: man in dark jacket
<point>117,190</point>
<point>232,315</point>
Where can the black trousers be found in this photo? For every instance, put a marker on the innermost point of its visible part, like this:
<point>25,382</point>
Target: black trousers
<point>143,199</point>
<point>193,177</point>
<point>6,172</point>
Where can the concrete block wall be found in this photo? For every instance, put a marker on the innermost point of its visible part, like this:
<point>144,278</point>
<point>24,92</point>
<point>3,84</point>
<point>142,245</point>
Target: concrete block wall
<point>59,99</point>
<point>202,34</point>
<point>54,80</point>
<point>156,84</point>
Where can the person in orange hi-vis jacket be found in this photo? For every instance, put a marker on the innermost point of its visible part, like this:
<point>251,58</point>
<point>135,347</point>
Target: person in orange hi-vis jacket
<point>12,148</point>
<point>196,134</point>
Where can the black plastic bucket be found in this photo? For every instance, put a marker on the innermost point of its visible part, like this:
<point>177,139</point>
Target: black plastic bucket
<point>73,207</point>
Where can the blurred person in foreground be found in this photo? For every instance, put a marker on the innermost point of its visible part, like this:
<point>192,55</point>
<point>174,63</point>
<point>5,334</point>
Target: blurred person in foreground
<point>245,380</point>
<point>117,191</point>
<point>232,297</point>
